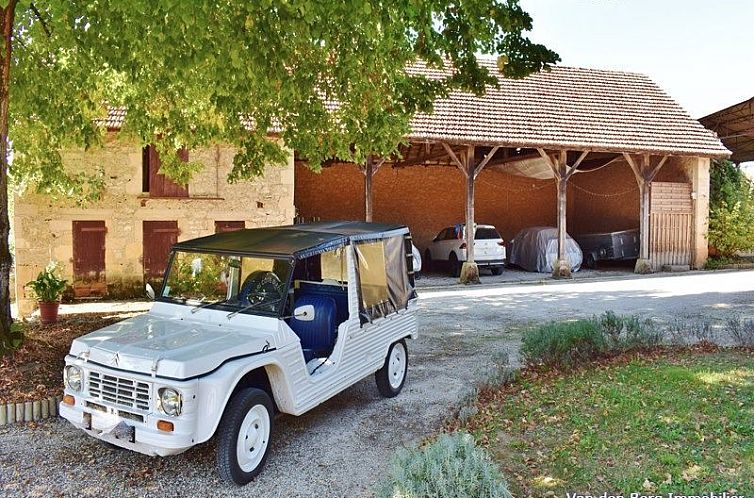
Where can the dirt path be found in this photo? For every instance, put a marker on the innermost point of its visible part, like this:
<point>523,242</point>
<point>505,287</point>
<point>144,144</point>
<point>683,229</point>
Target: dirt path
<point>342,447</point>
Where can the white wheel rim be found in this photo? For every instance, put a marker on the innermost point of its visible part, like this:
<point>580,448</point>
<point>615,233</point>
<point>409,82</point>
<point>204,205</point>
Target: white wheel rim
<point>396,367</point>
<point>253,438</point>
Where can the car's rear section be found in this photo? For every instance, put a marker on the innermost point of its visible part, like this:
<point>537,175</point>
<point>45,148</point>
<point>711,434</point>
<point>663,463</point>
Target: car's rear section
<point>489,247</point>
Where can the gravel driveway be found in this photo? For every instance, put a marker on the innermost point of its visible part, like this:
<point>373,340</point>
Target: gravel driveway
<point>342,447</point>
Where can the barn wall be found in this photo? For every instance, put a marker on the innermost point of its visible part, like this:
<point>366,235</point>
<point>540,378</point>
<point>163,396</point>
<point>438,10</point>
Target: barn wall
<point>426,199</point>
<point>43,227</point>
<point>430,198</point>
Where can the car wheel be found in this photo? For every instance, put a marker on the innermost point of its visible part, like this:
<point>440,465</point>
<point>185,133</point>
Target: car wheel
<point>243,437</point>
<point>497,270</point>
<point>455,265</point>
<point>590,262</point>
<point>391,377</point>
<point>427,263</point>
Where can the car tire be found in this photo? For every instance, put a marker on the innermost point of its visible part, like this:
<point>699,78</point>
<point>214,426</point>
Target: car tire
<point>455,265</point>
<point>391,377</point>
<point>497,270</point>
<point>244,436</point>
<point>590,262</point>
<point>427,263</point>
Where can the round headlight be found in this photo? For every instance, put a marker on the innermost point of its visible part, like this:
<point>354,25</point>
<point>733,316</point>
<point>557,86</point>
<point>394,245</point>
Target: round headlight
<point>171,401</point>
<point>74,377</point>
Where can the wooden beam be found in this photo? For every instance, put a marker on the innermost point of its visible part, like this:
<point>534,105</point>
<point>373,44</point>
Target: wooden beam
<point>422,159</point>
<point>469,169</point>
<point>454,158</point>
<point>479,167</point>
<point>634,167</point>
<point>369,169</point>
<point>572,169</point>
<point>550,162</point>
<point>656,169</point>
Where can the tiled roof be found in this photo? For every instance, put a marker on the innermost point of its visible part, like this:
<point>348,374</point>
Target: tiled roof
<point>609,111</point>
<point>115,118</point>
<point>573,108</point>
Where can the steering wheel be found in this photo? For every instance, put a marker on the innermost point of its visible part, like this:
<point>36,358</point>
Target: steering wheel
<point>260,286</point>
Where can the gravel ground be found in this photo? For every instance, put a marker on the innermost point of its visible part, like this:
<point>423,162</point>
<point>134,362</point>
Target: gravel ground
<point>342,447</point>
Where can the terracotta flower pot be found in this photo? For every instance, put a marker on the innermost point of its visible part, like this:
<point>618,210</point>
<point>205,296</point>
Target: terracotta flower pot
<point>48,312</point>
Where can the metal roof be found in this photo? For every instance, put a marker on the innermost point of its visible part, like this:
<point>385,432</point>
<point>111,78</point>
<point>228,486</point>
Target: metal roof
<point>735,127</point>
<point>296,241</point>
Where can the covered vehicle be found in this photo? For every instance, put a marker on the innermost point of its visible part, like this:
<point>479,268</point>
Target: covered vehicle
<point>247,324</point>
<point>609,246</point>
<point>536,249</point>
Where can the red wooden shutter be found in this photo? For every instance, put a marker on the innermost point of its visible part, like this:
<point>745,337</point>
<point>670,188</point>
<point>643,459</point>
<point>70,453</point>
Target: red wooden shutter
<point>89,258</point>
<point>159,237</point>
<point>159,185</point>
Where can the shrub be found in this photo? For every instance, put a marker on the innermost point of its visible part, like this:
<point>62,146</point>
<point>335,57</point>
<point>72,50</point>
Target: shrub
<point>741,331</point>
<point>563,344</point>
<point>731,220</point>
<point>451,467</point>
<point>702,331</point>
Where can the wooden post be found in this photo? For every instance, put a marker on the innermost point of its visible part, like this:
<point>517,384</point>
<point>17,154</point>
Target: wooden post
<point>468,166</point>
<point>644,174</point>
<point>470,170</point>
<point>369,169</point>
<point>562,172</point>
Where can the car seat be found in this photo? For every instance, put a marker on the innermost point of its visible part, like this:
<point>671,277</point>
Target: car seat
<point>317,336</point>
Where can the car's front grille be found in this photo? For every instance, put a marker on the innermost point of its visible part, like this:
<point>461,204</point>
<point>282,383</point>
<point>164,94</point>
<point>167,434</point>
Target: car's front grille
<point>119,391</point>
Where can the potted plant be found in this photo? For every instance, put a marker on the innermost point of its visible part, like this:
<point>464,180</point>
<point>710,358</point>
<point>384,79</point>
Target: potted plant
<point>48,288</point>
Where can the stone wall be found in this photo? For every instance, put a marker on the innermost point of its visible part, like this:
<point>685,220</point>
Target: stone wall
<point>43,227</point>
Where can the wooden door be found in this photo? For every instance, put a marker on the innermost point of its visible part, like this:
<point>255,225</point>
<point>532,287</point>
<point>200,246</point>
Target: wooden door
<point>229,226</point>
<point>670,221</point>
<point>159,237</point>
<point>89,258</point>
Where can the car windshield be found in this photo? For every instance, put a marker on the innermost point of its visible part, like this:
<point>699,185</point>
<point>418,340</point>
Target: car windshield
<point>227,282</point>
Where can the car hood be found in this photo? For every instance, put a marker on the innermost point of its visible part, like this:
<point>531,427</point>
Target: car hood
<point>171,347</point>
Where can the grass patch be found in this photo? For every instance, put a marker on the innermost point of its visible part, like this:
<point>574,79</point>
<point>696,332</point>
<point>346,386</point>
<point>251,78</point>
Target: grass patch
<point>722,262</point>
<point>680,423</point>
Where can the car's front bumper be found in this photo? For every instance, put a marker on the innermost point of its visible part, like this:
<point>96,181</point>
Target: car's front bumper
<point>147,439</point>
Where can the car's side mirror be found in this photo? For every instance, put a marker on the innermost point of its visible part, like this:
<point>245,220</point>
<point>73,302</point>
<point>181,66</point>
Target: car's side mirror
<point>150,292</point>
<point>304,313</point>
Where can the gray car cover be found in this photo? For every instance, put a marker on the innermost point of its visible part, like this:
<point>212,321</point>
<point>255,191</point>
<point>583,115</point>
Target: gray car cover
<point>536,249</point>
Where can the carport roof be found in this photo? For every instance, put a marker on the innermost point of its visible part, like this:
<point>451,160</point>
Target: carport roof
<point>563,108</point>
<point>568,108</point>
<point>735,126</point>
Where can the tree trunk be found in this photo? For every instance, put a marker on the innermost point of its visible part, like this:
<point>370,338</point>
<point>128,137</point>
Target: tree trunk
<point>6,20</point>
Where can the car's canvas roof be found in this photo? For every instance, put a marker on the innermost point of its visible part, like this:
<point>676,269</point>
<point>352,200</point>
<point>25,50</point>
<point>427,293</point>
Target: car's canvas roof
<point>298,241</point>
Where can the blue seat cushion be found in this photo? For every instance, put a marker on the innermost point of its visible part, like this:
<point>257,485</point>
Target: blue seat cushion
<point>317,336</point>
<point>340,294</point>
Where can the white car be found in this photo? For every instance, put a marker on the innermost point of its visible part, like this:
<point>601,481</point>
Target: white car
<point>248,324</point>
<point>448,249</point>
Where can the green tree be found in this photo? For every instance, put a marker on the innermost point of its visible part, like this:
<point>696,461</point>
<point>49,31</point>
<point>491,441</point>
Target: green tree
<point>191,72</point>
<point>731,220</point>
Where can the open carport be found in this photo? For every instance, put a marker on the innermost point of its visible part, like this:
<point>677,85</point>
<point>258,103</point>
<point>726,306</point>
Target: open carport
<point>584,150</point>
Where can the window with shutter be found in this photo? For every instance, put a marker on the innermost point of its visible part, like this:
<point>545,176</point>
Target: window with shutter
<point>156,184</point>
